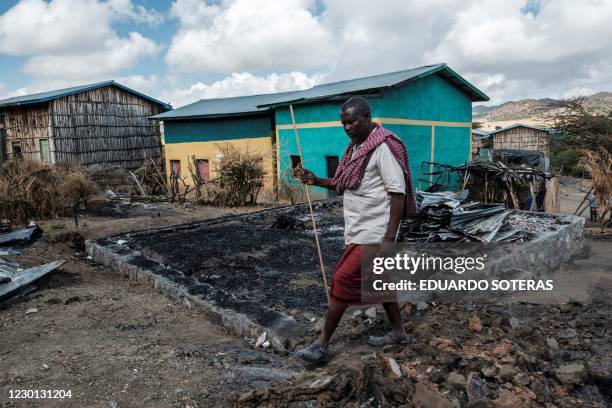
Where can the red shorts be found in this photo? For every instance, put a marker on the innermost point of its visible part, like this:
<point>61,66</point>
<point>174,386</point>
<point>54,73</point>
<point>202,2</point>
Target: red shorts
<point>347,278</point>
<point>350,285</point>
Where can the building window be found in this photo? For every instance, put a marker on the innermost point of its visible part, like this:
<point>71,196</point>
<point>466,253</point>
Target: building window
<point>202,169</point>
<point>16,150</point>
<point>45,154</point>
<point>175,168</point>
<point>296,165</point>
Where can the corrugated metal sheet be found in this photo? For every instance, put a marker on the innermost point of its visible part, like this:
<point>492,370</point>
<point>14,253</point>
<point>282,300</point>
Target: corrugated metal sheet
<point>17,278</point>
<point>261,103</point>
<point>60,93</point>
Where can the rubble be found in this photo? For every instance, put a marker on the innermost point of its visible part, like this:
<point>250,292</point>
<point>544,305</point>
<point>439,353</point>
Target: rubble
<point>474,323</point>
<point>571,374</point>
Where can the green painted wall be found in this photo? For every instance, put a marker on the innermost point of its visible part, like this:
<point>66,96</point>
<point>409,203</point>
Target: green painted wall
<point>206,130</point>
<point>430,99</point>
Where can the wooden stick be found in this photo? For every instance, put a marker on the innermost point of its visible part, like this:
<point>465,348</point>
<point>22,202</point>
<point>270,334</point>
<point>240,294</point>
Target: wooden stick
<point>583,201</point>
<point>312,217</point>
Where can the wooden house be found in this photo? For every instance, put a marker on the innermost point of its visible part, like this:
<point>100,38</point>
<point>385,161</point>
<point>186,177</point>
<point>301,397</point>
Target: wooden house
<point>104,124</point>
<point>521,137</point>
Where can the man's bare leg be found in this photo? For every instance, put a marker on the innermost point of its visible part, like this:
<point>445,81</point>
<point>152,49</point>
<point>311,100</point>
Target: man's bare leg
<point>334,314</point>
<point>395,317</point>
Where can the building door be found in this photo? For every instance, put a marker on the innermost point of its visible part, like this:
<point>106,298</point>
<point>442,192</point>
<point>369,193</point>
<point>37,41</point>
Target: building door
<point>203,170</point>
<point>332,165</point>
<point>45,154</point>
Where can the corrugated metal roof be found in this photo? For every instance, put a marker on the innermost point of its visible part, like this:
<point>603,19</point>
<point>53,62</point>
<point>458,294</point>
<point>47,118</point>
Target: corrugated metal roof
<point>480,132</point>
<point>60,93</point>
<point>517,125</point>
<point>223,106</point>
<point>261,103</point>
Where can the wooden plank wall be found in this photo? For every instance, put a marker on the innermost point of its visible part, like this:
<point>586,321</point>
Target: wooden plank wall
<point>27,124</point>
<point>107,127</point>
<point>520,138</point>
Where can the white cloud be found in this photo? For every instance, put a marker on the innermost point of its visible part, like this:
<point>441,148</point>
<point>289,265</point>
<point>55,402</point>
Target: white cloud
<point>561,51</point>
<point>69,41</point>
<point>138,13</point>
<point>240,84</point>
<point>147,85</point>
<point>115,55</point>
<point>247,35</point>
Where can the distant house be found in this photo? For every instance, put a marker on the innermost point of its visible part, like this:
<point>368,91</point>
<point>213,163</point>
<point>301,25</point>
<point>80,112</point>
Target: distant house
<point>480,140</point>
<point>521,137</point>
<point>98,124</point>
<point>429,107</point>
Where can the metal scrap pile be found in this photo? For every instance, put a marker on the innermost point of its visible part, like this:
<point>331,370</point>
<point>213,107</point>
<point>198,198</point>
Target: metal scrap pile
<point>446,216</point>
<point>13,278</point>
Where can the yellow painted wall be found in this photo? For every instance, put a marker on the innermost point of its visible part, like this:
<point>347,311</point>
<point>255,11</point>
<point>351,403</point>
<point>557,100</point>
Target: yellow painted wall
<point>210,150</point>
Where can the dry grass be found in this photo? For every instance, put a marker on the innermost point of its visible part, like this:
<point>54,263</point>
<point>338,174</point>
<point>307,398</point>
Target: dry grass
<point>239,177</point>
<point>599,165</point>
<point>30,190</point>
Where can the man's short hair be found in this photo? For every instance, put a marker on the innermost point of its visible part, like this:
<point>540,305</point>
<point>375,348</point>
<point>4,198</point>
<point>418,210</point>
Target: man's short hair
<point>359,104</point>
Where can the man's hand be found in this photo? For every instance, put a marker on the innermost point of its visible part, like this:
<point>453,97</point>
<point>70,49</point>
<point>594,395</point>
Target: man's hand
<point>308,177</point>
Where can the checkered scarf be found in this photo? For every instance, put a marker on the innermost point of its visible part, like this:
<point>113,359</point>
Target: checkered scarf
<point>351,168</point>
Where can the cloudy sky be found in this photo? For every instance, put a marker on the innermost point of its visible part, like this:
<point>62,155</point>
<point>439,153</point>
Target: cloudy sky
<point>184,50</point>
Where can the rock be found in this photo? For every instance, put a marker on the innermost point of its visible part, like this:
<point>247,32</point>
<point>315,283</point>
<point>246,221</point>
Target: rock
<point>427,398</point>
<point>571,374</point>
<point>245,396</point>
<point>394,368</point>
<point>502,349</point>
<point>507,399</point>
<point>309,317</point>
<point>31,310</point>
<point>522,378</point>
<point>422,306</point>
<point>506,372</point>
<point>514,323</point>
<point>321,383</point>
<point>442,343</point>
<point>265,344</point>
<point>371,312</point>
<point>552,343</point>
<point>456,380</point>
<point>113,404</point>
<point>560,391</point>
<point>474,323</point>
<point>567,334</point>
<point>508,385</point>
<point>476,391</point>
<point>261,339</point>
<point>357,314</point>
<point>489,371</point>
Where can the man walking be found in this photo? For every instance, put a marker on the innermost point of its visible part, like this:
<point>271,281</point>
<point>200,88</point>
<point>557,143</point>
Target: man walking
<point>374,177</point>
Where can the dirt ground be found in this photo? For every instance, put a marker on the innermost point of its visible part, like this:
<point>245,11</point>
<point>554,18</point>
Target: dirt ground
<point>118,343</point>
